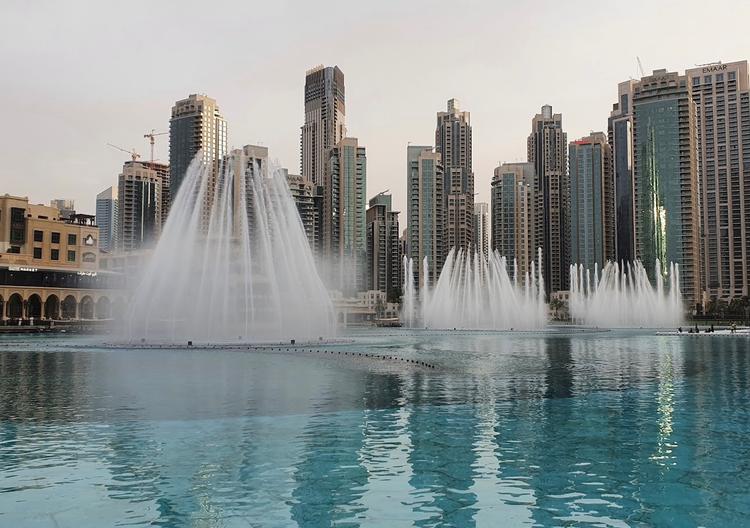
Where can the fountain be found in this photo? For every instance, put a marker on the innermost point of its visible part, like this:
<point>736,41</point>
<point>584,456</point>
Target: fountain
<point>478,293</point>
<point>623,297</point>
<point>409,299</point>
<point>233,263</point>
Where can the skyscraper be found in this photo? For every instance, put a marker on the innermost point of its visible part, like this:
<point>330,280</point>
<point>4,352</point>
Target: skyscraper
<point>425,212</point>
<point>107,218</point>
<point>721,94</point>
<point>344,215</point>
<point>305,195</point>
<point>453,142</point>
<point>139,206</point>
<point>481,226</point>
<point>547,150</point>
<point>196,125</point>
<point>620,136</point>
<point>325,113</point>
<point>246,163</point>
<point>592,215</point>
<point>513,214</point>
<point>383,247</point>
<point>65,206</point>
<point>666,178</point>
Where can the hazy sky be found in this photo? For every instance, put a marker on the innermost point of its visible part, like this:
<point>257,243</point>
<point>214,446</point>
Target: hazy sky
<point>77,75</point>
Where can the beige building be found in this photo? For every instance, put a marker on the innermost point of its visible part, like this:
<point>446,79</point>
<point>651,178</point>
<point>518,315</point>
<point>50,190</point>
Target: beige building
<point>196,126</point>
<point>721,92</point>
<point>139,205</point>
<point>49,267</point>
<point>513,215</point>
<point>481,227</point>
<point>453,141</point>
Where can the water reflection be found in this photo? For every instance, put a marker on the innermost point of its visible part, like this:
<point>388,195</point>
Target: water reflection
<point>614,429</point>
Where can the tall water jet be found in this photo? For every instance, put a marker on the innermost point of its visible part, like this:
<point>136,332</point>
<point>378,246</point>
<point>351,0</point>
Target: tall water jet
<point>409,295</point>
<point>624,297</point>
<point>474,292</point>
<point>233,262</point>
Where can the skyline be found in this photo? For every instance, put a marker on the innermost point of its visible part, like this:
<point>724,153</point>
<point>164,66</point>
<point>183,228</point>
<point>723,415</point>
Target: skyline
<point>56,146</point>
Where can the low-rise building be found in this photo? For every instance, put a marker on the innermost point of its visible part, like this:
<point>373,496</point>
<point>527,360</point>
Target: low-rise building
<point>49,266</point>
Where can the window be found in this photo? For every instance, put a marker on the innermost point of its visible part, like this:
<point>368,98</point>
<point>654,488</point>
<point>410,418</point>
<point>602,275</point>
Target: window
<point>37,252</point>
<point>17,225</point>
<point>696,81</point>
<point>71,256</point>
<point>55,238</point>
<point>71,240</point>
<point>38,236</point>
<point>54,254</point>
<point>731,76</point>
<point>707,79</point>
<point>719,77</point>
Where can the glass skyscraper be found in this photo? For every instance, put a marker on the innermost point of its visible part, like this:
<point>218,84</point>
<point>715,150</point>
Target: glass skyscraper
<point>592,230</point>
<point>666,178</point>
<point>425,228</point>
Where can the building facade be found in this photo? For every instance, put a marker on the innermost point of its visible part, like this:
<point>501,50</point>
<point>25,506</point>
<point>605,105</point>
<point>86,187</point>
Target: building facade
<point>49,266</point>
<point>107,218</point>
<point>383,248</point>
<point>592,202</point>
<point>666,179</point>
<point>721,93</point>
<point>139,206</point>
<point>547,150</point>
<point>344,228</point>
<point>325,116</point>
<point>481,228</point>
<point>453,141</point>
<point>66,206</point>
<point>512,203</point>
<point>620,137</point>
<point>425,212</point>
<point>309,199</point>
<point>196,126</point>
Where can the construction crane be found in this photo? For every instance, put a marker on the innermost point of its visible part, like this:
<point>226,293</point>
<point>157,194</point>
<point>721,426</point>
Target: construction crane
<point>133,153</point>
<point>640,66</point>
<point>151,137</point>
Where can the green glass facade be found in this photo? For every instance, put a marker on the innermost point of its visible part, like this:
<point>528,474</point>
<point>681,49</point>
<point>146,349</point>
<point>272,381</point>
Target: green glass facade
<point>659,192</point>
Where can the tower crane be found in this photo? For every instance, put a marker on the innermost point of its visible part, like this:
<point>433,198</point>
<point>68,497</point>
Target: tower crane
<point>151,137</point>
<point>133,153</point>
<point>640,66</point>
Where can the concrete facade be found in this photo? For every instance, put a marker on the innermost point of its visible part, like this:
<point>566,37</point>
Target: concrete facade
<point>547,150</point>
<point>721,93</point>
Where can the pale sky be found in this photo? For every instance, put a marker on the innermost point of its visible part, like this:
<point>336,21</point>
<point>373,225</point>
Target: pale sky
<point>77,75</point>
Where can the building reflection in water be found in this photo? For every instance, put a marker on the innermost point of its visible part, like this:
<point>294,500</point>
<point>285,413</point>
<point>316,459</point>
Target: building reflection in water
<point>546,431</point>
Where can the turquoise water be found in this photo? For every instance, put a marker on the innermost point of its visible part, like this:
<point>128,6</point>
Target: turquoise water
<point>554,429</point>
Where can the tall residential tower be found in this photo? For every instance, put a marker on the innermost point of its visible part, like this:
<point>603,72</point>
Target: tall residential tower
<point>592,204</point>
<point>453,142</point>
<point>547,150</point>
<point>196,125</point>
<point>666,179</point>
<point>620,136</point>
<point>325,114</point>
<point>425,229</point>
<point>721,94</point>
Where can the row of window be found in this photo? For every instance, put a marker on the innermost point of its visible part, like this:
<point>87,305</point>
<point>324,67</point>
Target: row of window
<point>719,78</point>
<point>55,237</point>
<point>54,254</point>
